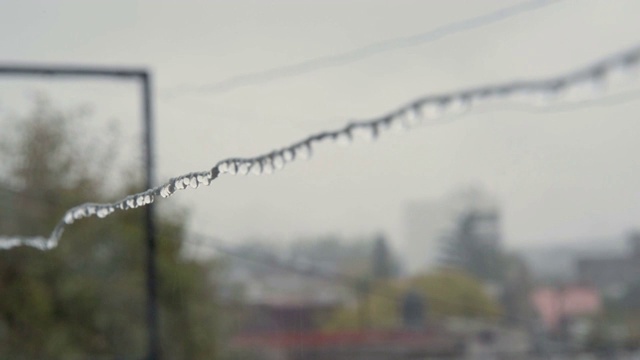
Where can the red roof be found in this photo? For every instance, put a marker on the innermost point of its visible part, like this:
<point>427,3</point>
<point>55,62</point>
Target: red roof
<point>342,338</point>
<point>553,304</point>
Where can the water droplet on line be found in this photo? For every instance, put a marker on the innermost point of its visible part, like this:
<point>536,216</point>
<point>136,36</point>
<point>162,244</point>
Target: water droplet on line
<point>267,167</point>
<point>233,168</point>
<point>193,182</point>
<point>288,155</point>
<point>256,167</point>
<point>243,168</point>
<point>431,110</point>
<point>343,138</point>
<point>204,179</point>
<point>78,213</point>
<point>166,191</point>
<point>457,105</point>
<point>363,132</point>
<point>102,212</point>
<point>303,151</point>
<point>278,161</point>
<point>68,218</point>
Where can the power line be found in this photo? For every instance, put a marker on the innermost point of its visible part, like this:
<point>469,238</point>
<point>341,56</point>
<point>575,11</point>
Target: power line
<point>328,61</point>
<point>543,92</point>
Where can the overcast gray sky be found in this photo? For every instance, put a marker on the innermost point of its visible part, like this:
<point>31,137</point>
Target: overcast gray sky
<point>567,175</point>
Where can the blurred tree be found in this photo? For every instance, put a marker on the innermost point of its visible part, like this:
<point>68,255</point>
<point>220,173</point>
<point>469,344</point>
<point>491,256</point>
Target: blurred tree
<point>382,263</point>
<point>473,245</point>
<point>86,299</point>
<point>447,293</point>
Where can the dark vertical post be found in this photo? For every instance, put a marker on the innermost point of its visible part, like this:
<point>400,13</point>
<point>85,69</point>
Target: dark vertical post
<point>152,290</point>
<point>145,79</point>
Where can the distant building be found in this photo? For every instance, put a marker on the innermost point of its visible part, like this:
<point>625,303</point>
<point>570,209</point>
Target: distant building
<point>613,275</point>
<point>557,305</point>
<point>283,283</point>
<point>428,223</point>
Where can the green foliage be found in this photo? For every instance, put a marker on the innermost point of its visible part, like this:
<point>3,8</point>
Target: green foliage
<point>447,294</point>
<point>86,298</point>
<point>455,293</point>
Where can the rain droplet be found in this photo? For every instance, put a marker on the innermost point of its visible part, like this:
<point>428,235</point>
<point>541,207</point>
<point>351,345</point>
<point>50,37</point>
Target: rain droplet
<point>243,168</point>
<point>193,182</point>
<point>267,167</point>
<point>431,110</point>
<point>288,155</point>
<point>179,184</point>
<point>102,212</point>
<point>343,138</point>
<point>50,244</point>
<point>410,118</point>
<point>366,132</point>
<point>523,95</point>
<point>397,124</point>
<point>204,179</point>
<point>584,89</point>
<point>78,213</point>
<point>130,204</point>
<point>385,124</point>
<point>256,167</point>
<point>148,199</point>
<point>621,74</point>
<point>68,218</point>
<point>303,151</point>
<point>166,191</point>
<point>278,161</point>
<point>233,168</point>
<point>457,105</point>
<point>91,210</point>
<point>139,200</point>
<point>223,167</point>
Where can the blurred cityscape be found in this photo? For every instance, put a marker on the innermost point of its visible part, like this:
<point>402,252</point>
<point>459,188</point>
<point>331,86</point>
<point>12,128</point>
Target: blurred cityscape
<point>463,295</point>
<point>419,248</point>
<point>451,291</point>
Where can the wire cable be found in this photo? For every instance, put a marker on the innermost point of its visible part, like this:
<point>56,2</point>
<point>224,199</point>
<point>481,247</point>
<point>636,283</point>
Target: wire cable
<point>542,92</point>
<point>328,61</point>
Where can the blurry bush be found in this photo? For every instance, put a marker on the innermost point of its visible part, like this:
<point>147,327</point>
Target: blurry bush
<point>86,298</point>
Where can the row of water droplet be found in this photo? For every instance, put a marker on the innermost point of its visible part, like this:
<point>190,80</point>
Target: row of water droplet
<point>594,78</point>
<point>104,210</point>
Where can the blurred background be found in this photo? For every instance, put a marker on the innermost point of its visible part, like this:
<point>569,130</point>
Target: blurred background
<point>509,232</point>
